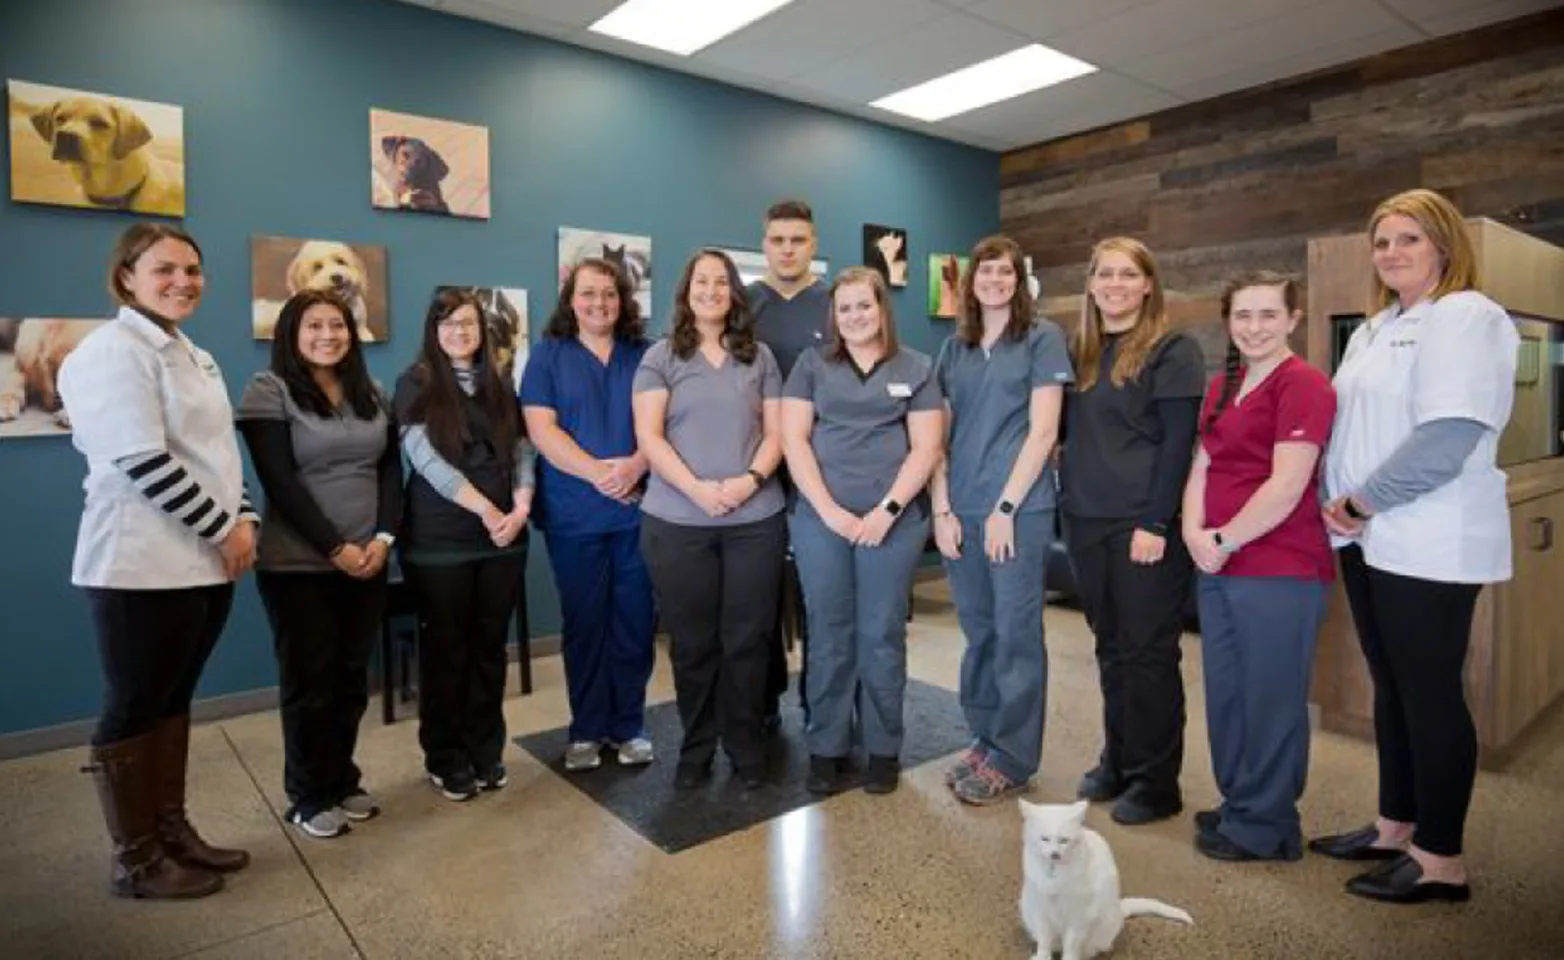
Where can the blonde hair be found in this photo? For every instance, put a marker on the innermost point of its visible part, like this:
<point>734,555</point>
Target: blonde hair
<point>1149,329</point>
<point>1445,228</point>
<point>875,281</point>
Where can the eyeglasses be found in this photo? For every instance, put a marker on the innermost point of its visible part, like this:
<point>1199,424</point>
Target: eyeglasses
<point>452,323</point>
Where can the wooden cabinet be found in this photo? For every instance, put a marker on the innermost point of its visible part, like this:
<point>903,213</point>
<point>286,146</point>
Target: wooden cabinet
<point>1515,667</point>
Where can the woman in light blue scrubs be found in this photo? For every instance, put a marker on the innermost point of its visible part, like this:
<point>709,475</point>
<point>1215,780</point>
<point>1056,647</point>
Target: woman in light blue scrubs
<point>862,426</point>
<point>1003,378</point>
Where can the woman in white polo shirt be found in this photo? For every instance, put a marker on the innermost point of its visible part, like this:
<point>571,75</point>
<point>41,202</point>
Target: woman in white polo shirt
<point>1417,504</point>
<point>165,532</point>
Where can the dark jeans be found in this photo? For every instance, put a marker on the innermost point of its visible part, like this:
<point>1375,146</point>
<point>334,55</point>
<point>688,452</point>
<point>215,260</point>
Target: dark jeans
<point>1414,635</point>
<point>323,628</point>
<point>1136,612</point>
<point>717,590</point>
<point>152,645</point>
<point>466,609</point>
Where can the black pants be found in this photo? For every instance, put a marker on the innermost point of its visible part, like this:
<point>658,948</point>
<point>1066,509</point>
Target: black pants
<point>153,645</point>
<point>717,590</point>
<point>1414,635</point>
<point>323,627</point>
<point>466,609</point>
<point>1136,612</point>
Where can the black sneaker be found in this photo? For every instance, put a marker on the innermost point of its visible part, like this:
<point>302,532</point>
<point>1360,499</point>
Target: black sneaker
<point>460,786</point>
<point>1206,821</point>
<point>1100,785</point>
<point>882,776</point>
<point>493,778</point>
<point>825,775</point>
<point>1138,807</point>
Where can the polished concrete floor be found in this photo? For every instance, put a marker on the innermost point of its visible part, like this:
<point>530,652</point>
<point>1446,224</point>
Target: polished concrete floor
<point>540,870</point>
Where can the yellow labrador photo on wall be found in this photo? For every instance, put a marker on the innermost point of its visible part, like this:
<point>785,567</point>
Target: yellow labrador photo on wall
<point>428,165</point>
<point>94,150</point>
<point>283,266</point>
<point>31,352</point>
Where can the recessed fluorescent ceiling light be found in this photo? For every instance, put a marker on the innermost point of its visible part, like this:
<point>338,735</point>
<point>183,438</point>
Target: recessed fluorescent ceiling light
<point>1008,75</point>
<point>681,26</point>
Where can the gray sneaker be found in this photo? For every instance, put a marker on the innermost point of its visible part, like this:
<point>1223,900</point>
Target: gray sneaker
<point>636,752</point>
<point>584,755</point>
<point>327,823</point>
<point>359,806</point>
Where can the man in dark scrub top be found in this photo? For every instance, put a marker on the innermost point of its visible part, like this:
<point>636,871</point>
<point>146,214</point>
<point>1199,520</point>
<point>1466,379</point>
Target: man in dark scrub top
<point>792,311</point>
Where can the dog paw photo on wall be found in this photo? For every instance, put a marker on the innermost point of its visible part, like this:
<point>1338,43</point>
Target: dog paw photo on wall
<point>428,165</point>
<point>98,151</point>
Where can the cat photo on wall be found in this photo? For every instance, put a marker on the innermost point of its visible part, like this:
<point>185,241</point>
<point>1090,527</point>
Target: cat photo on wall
<point>628,252</point>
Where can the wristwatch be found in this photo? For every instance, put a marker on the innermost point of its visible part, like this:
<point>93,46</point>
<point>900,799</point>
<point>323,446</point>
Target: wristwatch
<point>1222,543</point>
<point>891,507</point>
<point>760,478</point>
<point>1006,507</point>
<point>1352,510</point>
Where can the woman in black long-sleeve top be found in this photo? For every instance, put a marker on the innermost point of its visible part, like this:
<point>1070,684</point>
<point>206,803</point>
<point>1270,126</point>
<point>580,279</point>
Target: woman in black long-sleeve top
<point>1129,440</point>
<point>323,443</point>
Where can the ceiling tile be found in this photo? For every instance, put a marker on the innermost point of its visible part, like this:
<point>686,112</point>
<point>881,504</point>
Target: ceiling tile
<point>899,60</point>
<point>1270,42</point>
<point>1469,15</point>
<point>505,17</point>
<point>1079,104</point>
<point>806,35</point>
<point>577,13</point>
<point>1255,74</point>
<point>1040,21</point>
<point>1154,29</point>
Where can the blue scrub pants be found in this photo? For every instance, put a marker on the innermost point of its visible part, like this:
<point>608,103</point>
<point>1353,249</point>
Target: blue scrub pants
<point>605,600</point>
<point>1004,672</point>
<point>1257,646</point>
<point>856,601</point>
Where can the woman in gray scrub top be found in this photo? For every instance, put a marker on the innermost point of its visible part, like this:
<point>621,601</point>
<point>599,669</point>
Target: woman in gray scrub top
<point>707,416</point>
<point>1003,378</point>
<point>861,426</point>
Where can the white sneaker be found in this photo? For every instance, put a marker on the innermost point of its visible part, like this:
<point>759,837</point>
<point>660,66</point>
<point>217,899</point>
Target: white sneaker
<point>324,825</point>
<point>584,755</point>
<point>359,806</point>
<point>636,752</point>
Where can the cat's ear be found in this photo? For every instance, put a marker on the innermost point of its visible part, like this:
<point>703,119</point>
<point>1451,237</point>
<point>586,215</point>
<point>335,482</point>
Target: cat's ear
<point>1028,808</point>
<point>1078,811</point>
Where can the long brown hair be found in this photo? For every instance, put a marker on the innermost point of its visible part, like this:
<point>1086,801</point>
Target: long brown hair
<point>875,280</point>
<point>438,404</point>
<point>1138,342</point>
<point>738,338</point>
<point>1232,362</point>
<point>1442,222</point>
<point>969,315</point>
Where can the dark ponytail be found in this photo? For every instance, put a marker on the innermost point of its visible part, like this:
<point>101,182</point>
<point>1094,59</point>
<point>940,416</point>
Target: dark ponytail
<point>1232,372</point>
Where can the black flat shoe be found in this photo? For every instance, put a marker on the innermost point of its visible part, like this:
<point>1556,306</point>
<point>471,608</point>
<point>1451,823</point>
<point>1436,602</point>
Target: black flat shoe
<point>1206,821</point>
<point>1133,810</point>
<point>1217,847</point>
<point>1399,882</point>
<point>882,775</point>
<point>688,776</point>
<point>1356,846</point>
<point>825,775</point>
<point>1100,786</point>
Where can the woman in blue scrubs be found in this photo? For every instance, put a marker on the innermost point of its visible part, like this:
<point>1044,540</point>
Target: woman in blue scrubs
<point>575,396</point>
<point>1003,377</point>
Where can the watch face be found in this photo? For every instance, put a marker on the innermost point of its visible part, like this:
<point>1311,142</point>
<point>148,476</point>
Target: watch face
<point>1006,507</point>
<point>892,507</point>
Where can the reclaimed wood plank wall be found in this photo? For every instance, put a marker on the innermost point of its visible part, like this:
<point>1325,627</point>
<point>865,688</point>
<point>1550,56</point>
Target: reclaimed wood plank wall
<point>1245,180</point>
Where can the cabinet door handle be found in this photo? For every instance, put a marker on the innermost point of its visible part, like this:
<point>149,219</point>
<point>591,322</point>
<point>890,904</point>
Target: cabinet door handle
<point>1542,533</point>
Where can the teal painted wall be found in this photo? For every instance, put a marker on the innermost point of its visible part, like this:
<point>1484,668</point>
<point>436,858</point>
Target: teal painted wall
<point>276,95</point>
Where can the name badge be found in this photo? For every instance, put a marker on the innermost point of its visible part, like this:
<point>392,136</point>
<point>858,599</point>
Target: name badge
<point>901,390</point>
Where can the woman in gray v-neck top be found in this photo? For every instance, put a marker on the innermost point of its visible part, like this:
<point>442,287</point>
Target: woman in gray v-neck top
<point>707,417</point>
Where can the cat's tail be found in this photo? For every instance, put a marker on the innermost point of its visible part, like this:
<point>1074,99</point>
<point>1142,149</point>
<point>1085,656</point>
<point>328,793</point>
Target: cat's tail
<point>1145,907</point>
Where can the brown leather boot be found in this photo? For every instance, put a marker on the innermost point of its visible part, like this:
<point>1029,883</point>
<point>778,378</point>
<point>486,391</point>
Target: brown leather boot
<point>125,778</point>
<point>179,838</point>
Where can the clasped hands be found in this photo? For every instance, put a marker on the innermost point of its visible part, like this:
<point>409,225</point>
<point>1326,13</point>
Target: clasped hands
<point>619,479</point>
<point>504,528</point>
<point>361,562</point>
<point>721,497</point>
<point>868,530</point>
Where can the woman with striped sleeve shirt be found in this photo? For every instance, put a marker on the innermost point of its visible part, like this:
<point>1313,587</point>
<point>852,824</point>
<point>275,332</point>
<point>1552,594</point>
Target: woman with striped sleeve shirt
<point>165,532</point>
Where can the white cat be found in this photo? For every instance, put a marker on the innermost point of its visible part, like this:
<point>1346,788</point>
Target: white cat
<point>1070,885</point>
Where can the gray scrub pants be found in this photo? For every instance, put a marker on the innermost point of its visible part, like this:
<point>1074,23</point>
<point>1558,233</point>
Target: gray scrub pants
<point>856,602</point>
<point>1004,672</point>
<point>1257,648</point>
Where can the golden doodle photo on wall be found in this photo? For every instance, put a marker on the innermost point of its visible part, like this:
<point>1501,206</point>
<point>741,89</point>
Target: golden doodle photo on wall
<point>428,165</point>
<point>31,352</point>
<point>283,266</point>
<point>94,150</point>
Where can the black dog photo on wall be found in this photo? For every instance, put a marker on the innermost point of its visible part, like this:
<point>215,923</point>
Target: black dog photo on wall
<point>428,165</point>
<point>885,250</point>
